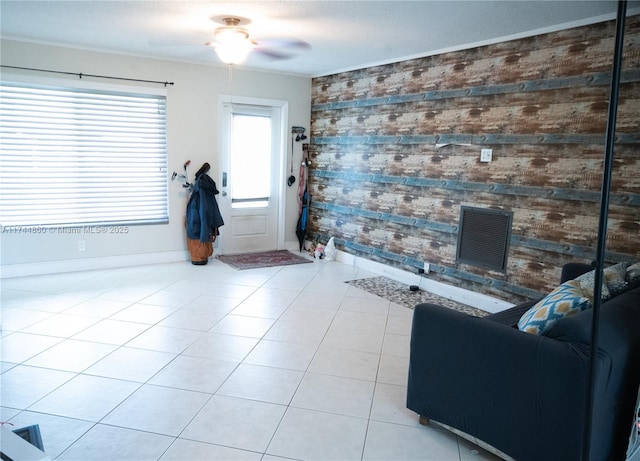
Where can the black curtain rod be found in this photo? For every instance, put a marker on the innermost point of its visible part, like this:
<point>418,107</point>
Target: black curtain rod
<point>80,75</point>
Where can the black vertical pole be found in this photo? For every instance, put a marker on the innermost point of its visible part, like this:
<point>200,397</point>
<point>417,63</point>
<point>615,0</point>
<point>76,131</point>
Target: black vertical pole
<point>602,225</point>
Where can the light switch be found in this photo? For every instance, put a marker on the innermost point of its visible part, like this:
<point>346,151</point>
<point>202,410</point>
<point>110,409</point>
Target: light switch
<point>485,155</point>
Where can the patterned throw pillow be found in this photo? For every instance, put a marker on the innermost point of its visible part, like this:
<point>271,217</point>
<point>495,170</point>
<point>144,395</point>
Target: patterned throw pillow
<point>615,278</point>
<point>613,281</point>
<point>633,275</point>
<point>587,282</point>
<point>562,302</point>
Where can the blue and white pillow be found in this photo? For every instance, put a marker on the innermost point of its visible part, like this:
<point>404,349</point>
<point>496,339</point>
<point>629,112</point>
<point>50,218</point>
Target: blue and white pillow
<point>566,300</point>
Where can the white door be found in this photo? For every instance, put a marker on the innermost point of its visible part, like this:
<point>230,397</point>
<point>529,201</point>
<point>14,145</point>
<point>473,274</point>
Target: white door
<point>252,159</point>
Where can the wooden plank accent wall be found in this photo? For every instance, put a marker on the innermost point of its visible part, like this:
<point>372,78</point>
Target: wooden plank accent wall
<point>395,153</point>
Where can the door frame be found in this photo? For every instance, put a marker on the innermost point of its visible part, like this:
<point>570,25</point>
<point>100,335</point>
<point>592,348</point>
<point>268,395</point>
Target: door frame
<point>283,107</point>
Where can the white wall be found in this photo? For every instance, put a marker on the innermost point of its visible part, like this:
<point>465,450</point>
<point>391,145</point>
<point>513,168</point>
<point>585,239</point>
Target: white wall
<point>192,126</point>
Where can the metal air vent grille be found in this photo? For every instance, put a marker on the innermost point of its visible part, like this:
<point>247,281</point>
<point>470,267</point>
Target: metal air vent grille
<point>483,237</point>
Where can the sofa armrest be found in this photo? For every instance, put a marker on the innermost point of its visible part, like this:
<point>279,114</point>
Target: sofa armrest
<point>511,316</point>
<point>486,379</point>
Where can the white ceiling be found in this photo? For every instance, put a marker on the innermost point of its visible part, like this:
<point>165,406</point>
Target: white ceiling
<point>344,35</point>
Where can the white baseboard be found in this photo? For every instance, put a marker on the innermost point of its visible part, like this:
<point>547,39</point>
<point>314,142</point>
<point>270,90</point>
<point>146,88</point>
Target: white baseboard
<point>468,297</point>
<point>108,262</point>
<point>87,264</point>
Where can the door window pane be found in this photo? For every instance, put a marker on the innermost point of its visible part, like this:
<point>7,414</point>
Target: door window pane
<point>250,161</point>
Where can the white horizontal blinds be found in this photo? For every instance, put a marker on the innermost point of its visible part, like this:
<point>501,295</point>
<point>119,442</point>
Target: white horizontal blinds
<point>78,156</point>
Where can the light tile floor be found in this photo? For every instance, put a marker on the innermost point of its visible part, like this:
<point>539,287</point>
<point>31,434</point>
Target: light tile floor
<point>183,362</point>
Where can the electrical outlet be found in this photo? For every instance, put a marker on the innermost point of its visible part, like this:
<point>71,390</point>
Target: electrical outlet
<point>82,245</point>
<point>485,155</point>
<point>426,268</point>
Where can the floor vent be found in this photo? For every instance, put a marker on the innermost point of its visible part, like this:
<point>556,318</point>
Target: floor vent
<point>483,237</point>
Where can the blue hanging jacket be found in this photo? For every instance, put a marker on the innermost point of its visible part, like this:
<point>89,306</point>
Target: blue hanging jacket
<point>203,214</point>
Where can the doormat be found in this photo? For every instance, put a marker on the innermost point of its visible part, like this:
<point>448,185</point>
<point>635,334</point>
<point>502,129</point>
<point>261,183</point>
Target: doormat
<point>399,293</point>
<point>263,259</point>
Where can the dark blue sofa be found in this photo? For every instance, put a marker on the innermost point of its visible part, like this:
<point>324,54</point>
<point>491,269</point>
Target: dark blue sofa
<point>526,394</point>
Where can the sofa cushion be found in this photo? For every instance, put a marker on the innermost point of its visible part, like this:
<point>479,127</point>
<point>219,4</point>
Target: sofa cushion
<point>613,281</point>
<point>587,282</point>
<point>632,276</point>
<point>614,276</point>
<point>565,300</point>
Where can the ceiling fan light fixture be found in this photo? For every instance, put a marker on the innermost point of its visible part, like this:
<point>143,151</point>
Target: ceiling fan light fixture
<point>231,42</point>
<point>230,33</point>
<point>233,53</point>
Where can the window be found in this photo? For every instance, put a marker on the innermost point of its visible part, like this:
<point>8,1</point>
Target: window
<point>251,144</point>
<point>77,156</point>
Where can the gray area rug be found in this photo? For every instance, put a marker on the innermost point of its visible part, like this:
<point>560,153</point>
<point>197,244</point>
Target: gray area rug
<point>399,293</point>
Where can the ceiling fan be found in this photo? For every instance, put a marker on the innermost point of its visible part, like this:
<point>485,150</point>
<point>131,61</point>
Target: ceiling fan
<point>233,43</point>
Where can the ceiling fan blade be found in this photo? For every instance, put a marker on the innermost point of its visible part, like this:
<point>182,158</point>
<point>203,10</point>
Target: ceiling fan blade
<point>282,42</point>
<point>272,54</point>
<point>280,48</point>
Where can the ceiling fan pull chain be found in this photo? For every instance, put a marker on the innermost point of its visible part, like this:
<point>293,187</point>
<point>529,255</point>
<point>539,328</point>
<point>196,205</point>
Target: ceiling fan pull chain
<point>231,82</point>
